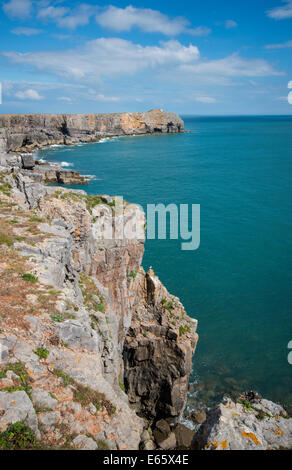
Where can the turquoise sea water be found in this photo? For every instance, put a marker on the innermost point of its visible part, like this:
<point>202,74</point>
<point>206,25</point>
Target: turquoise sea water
<point>238,284</point>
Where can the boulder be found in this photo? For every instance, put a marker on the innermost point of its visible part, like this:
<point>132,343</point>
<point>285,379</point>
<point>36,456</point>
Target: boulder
<point>162,431</point>
<point>169,443</point>
<point>184,436</point>
<point>43,400</point>
<point>255,425</point>
<point>28,162</point>
<point>198,417</point>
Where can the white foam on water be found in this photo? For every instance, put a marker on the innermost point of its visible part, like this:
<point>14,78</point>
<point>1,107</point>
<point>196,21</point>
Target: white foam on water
<point>92,178</point>
<point>66,164</point>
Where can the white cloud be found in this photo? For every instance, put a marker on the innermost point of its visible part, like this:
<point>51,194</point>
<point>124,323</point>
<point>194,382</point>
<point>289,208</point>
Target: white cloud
<point>52,13</point>
<point>101,62</point>
<point>200,31</point>
<point>18,8</point>
<point>107,57</point>
<point>150,21</point>
<point>232,66</point>
<point>29,94</point>
<point>290,84</point>
<point>280,46</point>
<point>66,18</point>
<point>26,31</point>
<point>230,24</point>
<point>67,99</point>
<point>106,99</point>
<point>281,13</point>
<point>205,99</point>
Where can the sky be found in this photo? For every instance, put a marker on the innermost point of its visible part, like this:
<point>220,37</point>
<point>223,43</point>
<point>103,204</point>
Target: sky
<point>211,57</point>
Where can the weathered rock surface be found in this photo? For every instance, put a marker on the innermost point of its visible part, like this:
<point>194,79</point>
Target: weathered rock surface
<point>84,443</point>
<point>255,425</point>
<point>15,407</point>
<point>25,132</point>
<point>85,301</point>
<point>43,400</point>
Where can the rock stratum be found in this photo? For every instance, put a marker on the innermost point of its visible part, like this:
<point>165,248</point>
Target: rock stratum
<point>26,132</point>
<point>93,349</point>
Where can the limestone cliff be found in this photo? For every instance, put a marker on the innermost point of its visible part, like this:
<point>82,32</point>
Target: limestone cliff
<point>25,132</point>
<point>81,322</point>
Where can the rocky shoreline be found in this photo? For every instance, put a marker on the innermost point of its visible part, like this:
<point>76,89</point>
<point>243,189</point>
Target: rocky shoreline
<point>91,355</point>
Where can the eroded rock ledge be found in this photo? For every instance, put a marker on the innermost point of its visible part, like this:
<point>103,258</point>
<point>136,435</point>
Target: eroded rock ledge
<point>26,132</point>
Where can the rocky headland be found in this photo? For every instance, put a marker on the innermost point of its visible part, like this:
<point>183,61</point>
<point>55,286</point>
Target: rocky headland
<point>95,352</point>
<point>27,132</point>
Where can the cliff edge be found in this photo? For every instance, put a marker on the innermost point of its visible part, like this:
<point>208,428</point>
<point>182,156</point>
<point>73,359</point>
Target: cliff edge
<point>26,132</point>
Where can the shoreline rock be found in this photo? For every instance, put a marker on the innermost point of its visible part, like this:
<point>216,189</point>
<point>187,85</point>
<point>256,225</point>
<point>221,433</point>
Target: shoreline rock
<point>253,424</point>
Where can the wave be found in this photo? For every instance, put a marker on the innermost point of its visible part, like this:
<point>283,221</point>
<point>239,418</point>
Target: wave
<point>92,178</point>
<point>66,164</point>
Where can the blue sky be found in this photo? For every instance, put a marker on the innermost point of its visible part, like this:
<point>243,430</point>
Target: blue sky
<point>194,57</point>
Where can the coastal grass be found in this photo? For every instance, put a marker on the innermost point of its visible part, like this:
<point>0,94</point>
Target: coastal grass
<point>91,295</point>
<point>85,395</point>
<point>29,278</point>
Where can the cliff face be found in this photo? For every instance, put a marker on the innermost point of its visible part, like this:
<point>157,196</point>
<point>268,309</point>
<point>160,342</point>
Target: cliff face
<point>83,322</point>
<point>158,352</point>
<point>25,132</point>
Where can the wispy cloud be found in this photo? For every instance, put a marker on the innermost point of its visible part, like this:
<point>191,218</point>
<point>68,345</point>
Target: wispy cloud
<point>64,17</point>
<point>282,12</point>
<point>230,24</point>
<point>280,46</point>
<point>205,99</point>
<point>148,20</point>
<point>26,31</point>
<point>106,99</point>
<point>18,8</point>
<point>232,66</point>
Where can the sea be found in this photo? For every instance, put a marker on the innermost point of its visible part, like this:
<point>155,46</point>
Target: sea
<point>238,283</point>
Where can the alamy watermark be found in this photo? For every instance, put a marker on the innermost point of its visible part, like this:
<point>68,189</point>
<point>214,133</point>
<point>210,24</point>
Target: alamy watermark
<point>122,221</point>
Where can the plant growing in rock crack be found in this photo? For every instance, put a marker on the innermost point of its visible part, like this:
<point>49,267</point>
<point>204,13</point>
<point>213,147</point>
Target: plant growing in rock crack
<point>19,369</point>
<point>58,318</point>
<point>36,219</point>
<point>29,278</point>
<point>18,436</point>
<point>167,305</point>
<point>91,295</point>
<point>42,353</point>
<point>133,274</point>
<point>183,330</point>
<point>247,405</point>
<point>5,240</point>
<point>85,395</point>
